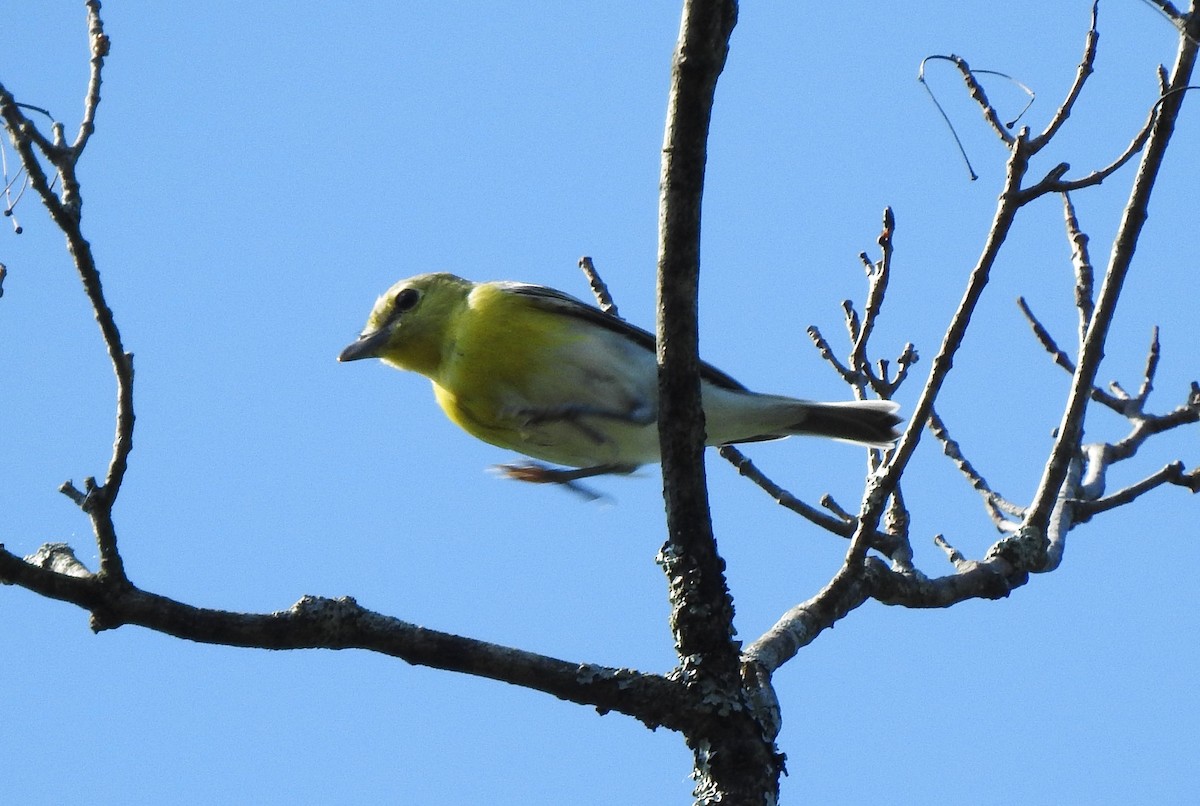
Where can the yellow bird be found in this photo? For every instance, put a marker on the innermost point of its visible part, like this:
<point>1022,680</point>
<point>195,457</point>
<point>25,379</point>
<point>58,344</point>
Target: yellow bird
<point>534,370</point>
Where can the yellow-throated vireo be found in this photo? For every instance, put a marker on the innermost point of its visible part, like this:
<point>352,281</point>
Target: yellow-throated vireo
<point>534,370</point>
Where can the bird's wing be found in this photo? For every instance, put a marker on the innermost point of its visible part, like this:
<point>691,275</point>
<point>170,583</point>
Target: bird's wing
<point>554,300</point>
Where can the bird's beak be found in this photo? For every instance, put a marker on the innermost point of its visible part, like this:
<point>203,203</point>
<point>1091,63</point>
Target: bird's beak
<point>367,346</point>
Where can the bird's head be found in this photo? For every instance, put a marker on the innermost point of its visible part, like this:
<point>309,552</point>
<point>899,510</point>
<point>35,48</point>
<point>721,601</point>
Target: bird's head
<point>409,325</point>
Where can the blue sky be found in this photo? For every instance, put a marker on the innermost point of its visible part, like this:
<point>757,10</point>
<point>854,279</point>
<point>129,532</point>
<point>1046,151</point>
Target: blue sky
<point>261,173</point>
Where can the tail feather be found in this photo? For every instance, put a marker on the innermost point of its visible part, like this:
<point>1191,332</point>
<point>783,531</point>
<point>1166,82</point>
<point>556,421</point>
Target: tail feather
<point>735,416</point>
<point>868,422</point>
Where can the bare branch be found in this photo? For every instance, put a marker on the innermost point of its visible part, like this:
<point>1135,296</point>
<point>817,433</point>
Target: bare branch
<point>897,520</point>
<point>827,353</point>
<point>838,511</point>
<point>598,286</point>
<point>975,89</point>
<point>1054,183</point>
<point>853,324</point>
<point>877,281</point>
<point>1168,10</point>
<point>1147,425</point>
<point>857,372</point>
<point>1082,261</point>
<point>1067,442</point>
<point>1044,338</point>
<point>342,624</point>
<point>993,578</point>
<point>800,626</point>
<point>1152,357</point>
<point>1062,520</point>
<point>885,543</point>
<point>955,556</point>
<point>1171,474</point>
<point>19,126</point>
<point>881,485</point>
<point>1085,69</point>
<point>785,499</point>
<point>690,556</point>
<point>701,607</point>
<point>1048,343</point>
<point>907,358</point>
<point>66,213</point>
<point>100,47</point>
<point>998,507</point>
<point>25,137</point>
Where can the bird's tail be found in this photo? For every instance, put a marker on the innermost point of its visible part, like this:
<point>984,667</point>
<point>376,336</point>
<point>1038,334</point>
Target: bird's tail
<point>734,415</point>
<point>867,422</point>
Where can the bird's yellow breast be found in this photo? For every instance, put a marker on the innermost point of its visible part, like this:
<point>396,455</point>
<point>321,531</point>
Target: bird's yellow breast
<point>524,377</point>
<point>494,366</point>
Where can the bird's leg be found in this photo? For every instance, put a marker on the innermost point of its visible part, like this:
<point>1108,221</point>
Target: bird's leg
<point>535,473</point>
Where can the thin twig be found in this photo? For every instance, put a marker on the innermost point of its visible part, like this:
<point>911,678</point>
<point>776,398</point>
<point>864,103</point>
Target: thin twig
<point>1086,67</point>
<point>826,353</point>
<point>1148,373</point>
<point>962,152</point>
<point>100,46</point>
<point>997,505</point>
<point>598,286</point>
<point>783,497</point>
<point>853,323</point>
<point>1081,260</point>
<point>882,484</point>
<point>887,544</point>
<point>831,504</point>
<point>857,372</point>
<point>1054,183</point>
<point>877,282</point>
<point>1063,360</point>
<point>1147,425</point>
<point>1168,10</point>
<point>955,556</point>
<point>887,386</point>
<point>1170,474</point>
<point>975,89</point>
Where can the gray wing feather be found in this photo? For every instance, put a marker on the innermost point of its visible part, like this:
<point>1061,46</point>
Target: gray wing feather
<point>552,299</point>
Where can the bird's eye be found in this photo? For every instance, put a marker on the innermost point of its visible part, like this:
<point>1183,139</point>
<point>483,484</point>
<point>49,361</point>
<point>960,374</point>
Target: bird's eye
<point>406,300</point>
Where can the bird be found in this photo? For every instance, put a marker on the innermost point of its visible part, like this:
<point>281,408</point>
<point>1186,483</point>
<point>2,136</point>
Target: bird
<point>531,369</point>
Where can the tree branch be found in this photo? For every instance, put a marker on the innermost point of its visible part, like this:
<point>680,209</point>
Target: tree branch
<point>881,485</point>
<point>885,543</point>
<point>993,578</point>
<point>316,623</point>
<point>1086,68</point>
<point>689,557</point>
<point>998,507</point>
<point>1070,430</point>
<point>735,756</point>
<point>66,211</point>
